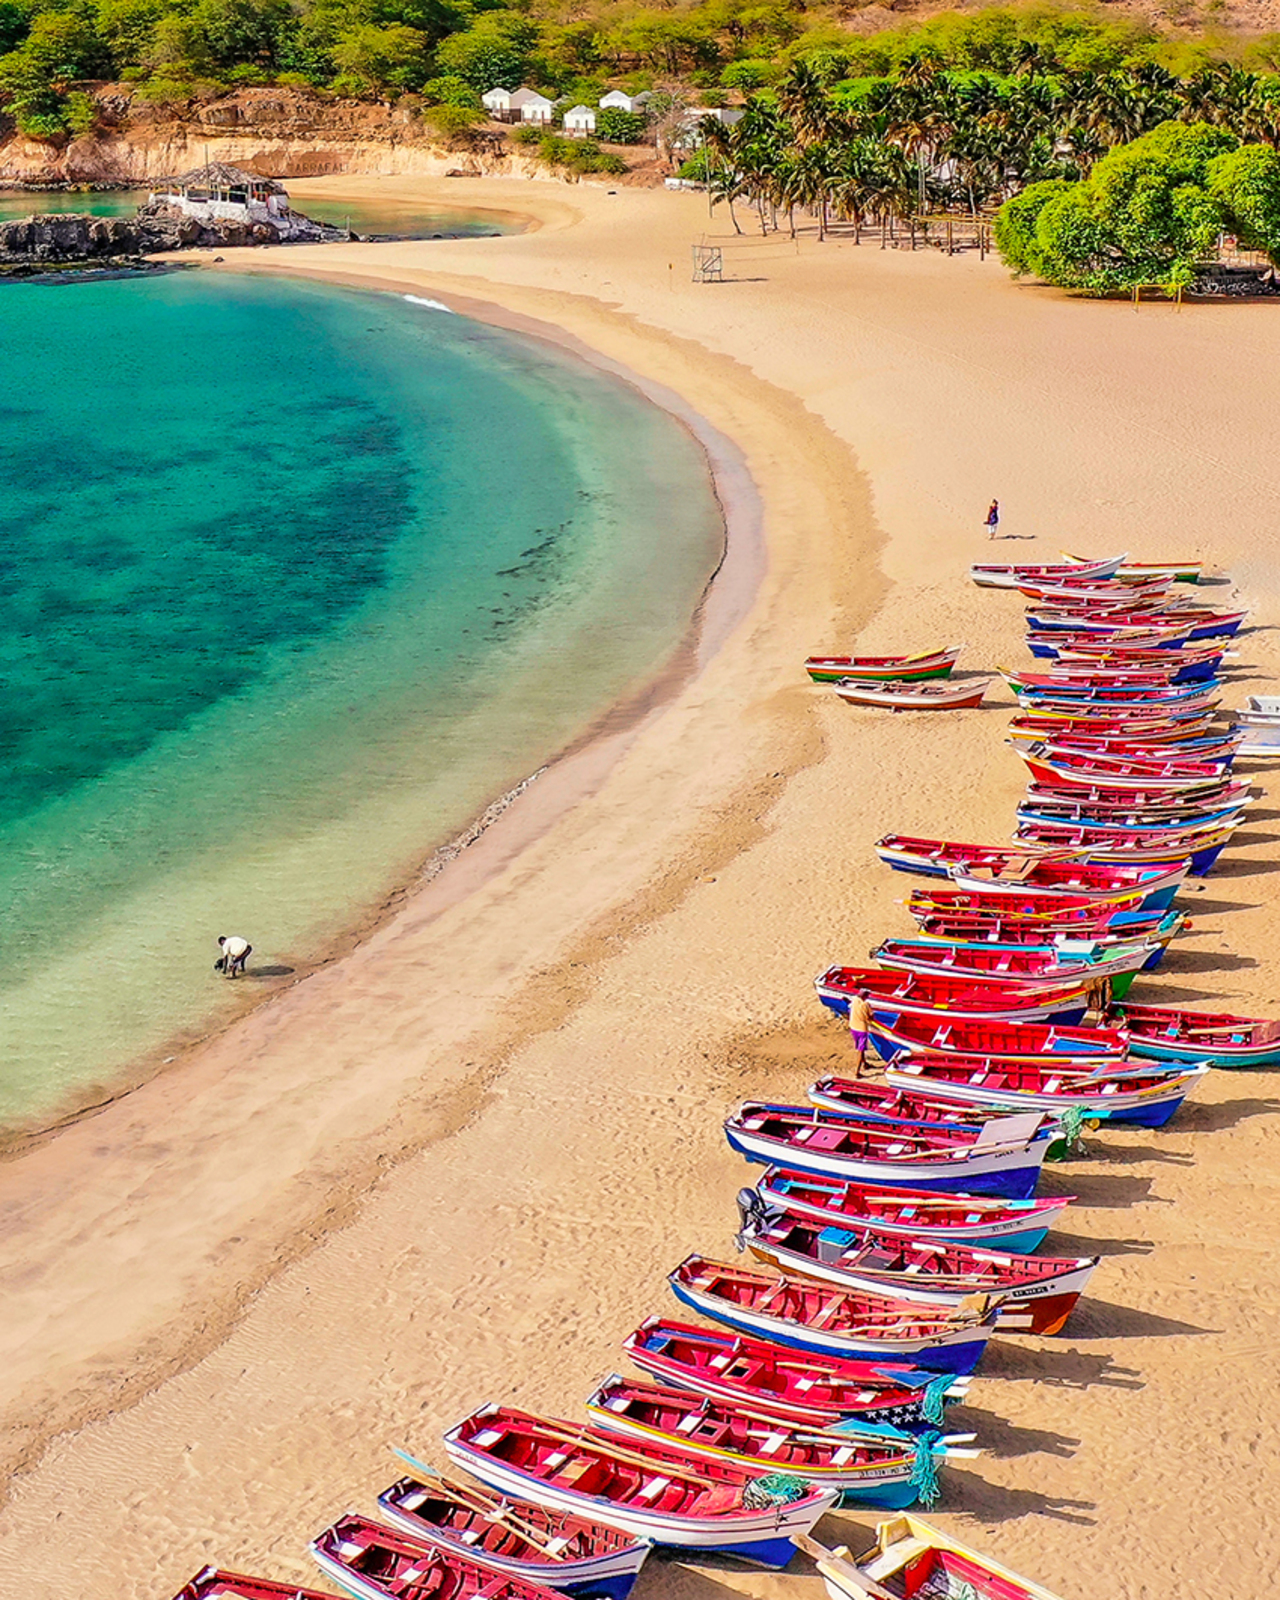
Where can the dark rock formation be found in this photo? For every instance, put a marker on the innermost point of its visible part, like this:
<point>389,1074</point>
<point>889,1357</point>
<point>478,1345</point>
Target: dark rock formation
<point>73,236</point>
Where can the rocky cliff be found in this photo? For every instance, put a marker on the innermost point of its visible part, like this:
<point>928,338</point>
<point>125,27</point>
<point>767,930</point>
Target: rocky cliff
<point>288,133</point>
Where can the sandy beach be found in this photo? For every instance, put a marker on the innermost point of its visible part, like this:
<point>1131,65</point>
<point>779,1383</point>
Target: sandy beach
<point>457,1163</point>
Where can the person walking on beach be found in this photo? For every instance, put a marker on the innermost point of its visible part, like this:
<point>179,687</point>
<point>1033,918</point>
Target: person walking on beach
<point>993,518</point>
<point>235,952</point>
<point>860,1027</point>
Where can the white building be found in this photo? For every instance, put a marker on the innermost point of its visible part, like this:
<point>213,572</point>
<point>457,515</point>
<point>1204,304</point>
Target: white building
<point>530,106</point>
<point>580,121</point>
<point>617,100</point>
<point>219,193</point>
<point>497,102</point>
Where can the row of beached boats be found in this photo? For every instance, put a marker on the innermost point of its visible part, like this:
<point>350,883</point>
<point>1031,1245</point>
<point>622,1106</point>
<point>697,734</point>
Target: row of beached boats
<point>896,1225</point>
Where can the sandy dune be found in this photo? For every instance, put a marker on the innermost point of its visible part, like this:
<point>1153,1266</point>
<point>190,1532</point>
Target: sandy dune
<point>457,1164</point>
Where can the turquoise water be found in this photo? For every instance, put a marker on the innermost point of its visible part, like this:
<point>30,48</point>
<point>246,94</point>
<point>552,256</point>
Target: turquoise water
<point>292,581</point>
<point>366,216</point>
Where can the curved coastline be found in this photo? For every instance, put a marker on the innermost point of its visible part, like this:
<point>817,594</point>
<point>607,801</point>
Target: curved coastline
<point>564,776</point>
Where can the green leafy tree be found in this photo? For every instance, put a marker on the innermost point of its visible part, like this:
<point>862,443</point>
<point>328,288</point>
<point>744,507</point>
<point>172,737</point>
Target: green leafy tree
<point>484,58</point>
<point>391,58</point>
<point>616,126</point>
<point>243,31</point>
<point>35,78</point>
<point>1246,183</point>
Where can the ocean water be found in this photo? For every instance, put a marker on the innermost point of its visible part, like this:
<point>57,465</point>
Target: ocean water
<point>293,580</point>
<point>366,216</point>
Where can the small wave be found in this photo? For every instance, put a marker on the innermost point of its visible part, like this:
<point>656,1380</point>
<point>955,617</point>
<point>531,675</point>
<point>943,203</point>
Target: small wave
<point>434,305</point>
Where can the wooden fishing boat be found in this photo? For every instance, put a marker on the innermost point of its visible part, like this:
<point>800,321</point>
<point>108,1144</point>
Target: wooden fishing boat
<point>1079,664</point>
<point>914,696</point>
<point>1179,571</point>
<point>967,1219</point>
<point>1122,1093</point>
<point>871,1101</point>
<point>802,1389</point>
<point>377,1563</point>
<point>650,1492</point>
<point>1102,656</point>
<point>1044,1043</point>
<point>1001,1157</point>
<point>1199,622</point>
<point>1213,1038</point>
<point>1048,880</point>
<point>988,576</point>
<point>213,1583</point>
<point>939,858</point>
<point>941,995</point>
<point>1099,592</point>
<point>1081,916</point>
<point>1058,768</point>
<point>1033,725</point>
<point>1106,845</point>
<point>912,1561</point>
<point>1048,632</point>
<point>864,1469</point>
<point>1138,805</point>
<point>1217,745</point>
<point>1043,1289</point>
<point>884,669</point>
<point>1086,961</point>
<point>573,1555</point>
<point>808,1315</point>
<point>1115,699</point>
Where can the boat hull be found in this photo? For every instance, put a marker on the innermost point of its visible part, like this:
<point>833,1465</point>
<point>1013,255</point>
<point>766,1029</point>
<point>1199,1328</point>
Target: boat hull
<point>959,1352</point>
<point>761,1538</point>
<point>1146,1108</point>
<point>1012,1174</point>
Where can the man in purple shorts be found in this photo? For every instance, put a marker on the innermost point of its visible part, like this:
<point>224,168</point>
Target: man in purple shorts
<point>860,1027</point>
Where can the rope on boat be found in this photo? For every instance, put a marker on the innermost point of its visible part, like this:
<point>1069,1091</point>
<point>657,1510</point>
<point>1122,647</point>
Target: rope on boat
<point>1072,1120</point>
<point>775,1489</point>
<point>933,1400</point>
<point>924,1470</point>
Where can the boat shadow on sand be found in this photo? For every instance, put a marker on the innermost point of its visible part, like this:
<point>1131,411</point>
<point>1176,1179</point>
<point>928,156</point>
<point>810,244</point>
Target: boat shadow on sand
<point>1058,1365</point>
<point>1188,962</point>
<point>1074,1244</point>
<point>1106,1191</point>
<point>1100,1319</point>
<point>1203,1116</point>
<point>1001,1438</point>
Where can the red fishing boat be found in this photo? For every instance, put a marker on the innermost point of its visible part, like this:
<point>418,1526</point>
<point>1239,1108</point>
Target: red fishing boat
<point>1058,768</point>
<point>864,1469</point>
<point>650,1491</point>
<point>1014,963</point>
<point>1151,730</point>
<point>912,1561</point>
<point>1047,1044</point>
<point>807,1390</point>
<point>1099,592</point>
<point>914,696</point>
<point>1157,805</point>
<point>1050,880</point>
<point>989,576</point>
<point>377,1563</point>
<point>1215,1038</point>
<point>1104,843</point>
<point>884,669</point>
<point>574,1554</point>
<point>1216,746</point>
<point>808,1315</point>
<point>1044,1289</point>
<point>1122,1091</point>
<point>213,1583</point>
<point>967,1219</point>
<point>950,995</point>
<point>870,1101</point>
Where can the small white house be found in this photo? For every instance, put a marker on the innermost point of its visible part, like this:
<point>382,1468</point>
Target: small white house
<point>221,193</point>
<point>618,100</point>
<point>580,121</point>
<point>530,106</point>
<point>497,102</point>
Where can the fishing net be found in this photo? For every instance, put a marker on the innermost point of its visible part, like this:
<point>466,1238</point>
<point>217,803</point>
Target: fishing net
<point>776,1489</point>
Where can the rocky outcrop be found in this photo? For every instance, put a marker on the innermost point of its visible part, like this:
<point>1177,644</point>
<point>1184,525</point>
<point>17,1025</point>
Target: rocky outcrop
<point>59,238</point>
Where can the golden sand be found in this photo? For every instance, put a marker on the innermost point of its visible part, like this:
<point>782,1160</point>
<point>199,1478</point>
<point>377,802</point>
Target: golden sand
<point>456,1164</point>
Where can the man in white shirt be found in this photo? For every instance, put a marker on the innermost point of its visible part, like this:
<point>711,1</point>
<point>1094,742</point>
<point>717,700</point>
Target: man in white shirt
<point>235,952</point>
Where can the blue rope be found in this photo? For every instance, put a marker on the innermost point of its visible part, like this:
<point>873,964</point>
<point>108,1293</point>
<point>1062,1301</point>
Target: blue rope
<point>924,1470</point>
<point>934,1399</point>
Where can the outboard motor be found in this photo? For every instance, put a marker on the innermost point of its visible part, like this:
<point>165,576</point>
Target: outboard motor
<point>753,1211</point>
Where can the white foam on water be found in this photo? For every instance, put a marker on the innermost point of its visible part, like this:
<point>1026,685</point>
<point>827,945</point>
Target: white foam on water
<point>433,305</point>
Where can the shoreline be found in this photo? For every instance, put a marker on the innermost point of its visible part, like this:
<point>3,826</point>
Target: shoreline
<point>463,1168</point>
<point>568,772</point>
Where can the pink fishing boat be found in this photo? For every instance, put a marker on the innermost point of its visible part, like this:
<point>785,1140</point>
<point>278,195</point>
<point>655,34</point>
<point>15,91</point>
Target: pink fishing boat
<point>214,1583</point>
<point>1047,880</point>
<point>1013,963</point>
<point>377,1563</point>
<point>1036,1293</point>
<point>1087,770</point>
<point>803,1389</point>
<point>1155,804</point>
<point>950,995</point>
<point>884,669</point>
<point>968,1219</point>
<point>1046,1044</point>
<point>1009,577</point>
